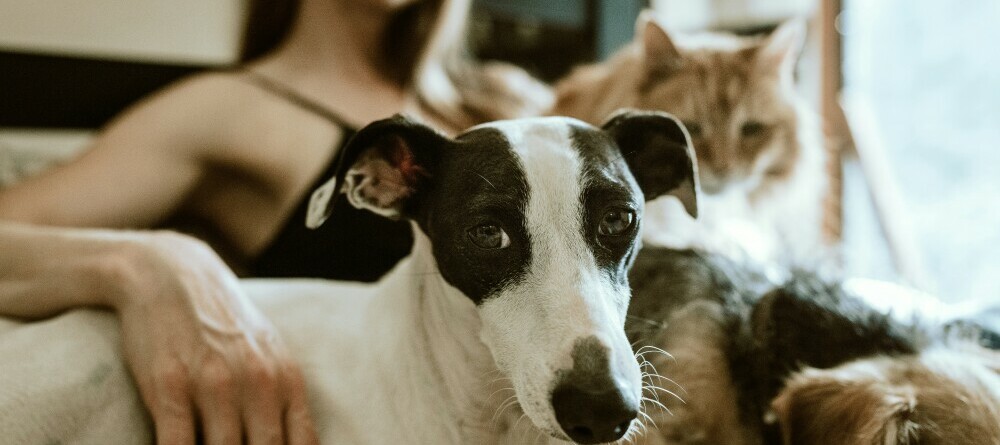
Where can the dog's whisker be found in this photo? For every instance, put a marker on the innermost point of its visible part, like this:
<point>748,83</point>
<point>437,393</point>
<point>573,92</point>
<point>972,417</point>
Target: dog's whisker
<point>499,391</point>
<point>657,376</point>
<point>643,425</point>
<point>490,372</point>
<point>523,432</point>
<point>658,324</point>
<point>656,351</point>
<point>647,417</point>
<point>487,180</point>
<point>637,353</point>
<point>655,387</point>
<point>641,359</point>
<point>500,379</point>
<point>633,432</point>
<point>657,403</point>
<point>654,394</point>
<point>660,378</point>
<point>498,416</point>
<point>667,391</point>
<point>647,382</point>
<point>646,424</point>
<point>645,348</point>
<point>648,377</point>
<point>652,348</point>
<point>507,403</point>
<point>651,392</point>
<point>643,428</point>
<point>648,364</point>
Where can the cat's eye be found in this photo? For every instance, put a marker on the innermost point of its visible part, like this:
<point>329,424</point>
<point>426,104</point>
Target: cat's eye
<point>753,128</point>
<point>693,128</point>
<point>489,237</point>
<point>776,171</point>
<point>616,221</point>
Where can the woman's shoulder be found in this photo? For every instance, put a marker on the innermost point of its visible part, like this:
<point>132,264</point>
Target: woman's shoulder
<point>189,108</point>
<point>215,94</point>
<point>244,96</point>
<point>218,109</point>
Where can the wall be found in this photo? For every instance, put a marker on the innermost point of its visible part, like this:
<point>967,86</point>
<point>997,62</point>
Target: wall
<point>177,31</point>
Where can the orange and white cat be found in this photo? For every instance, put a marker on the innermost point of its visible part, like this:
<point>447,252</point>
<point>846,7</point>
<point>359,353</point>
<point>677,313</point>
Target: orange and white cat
<point>760,154</point>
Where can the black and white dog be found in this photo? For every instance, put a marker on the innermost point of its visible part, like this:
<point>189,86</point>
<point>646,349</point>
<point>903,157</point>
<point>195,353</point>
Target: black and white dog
<point>511,304</point>
<point>804,362</point>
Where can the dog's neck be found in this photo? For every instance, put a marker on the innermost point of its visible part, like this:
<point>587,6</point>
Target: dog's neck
<point>435,331</point>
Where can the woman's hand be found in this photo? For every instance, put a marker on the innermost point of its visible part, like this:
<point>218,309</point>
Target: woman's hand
<point>204,358</point>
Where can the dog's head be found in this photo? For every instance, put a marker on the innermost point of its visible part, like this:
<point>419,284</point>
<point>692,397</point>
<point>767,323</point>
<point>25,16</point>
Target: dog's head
<point>935,398</point>
<point>536,222</point>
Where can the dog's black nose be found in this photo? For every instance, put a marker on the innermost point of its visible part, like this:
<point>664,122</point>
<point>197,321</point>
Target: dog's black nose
<point>592,416</point>
<point>590,406</point>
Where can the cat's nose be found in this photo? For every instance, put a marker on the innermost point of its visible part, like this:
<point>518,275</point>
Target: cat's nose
<point>711,187</point>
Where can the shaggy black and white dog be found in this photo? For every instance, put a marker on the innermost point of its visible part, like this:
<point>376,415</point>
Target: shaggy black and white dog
<point>738,359</point>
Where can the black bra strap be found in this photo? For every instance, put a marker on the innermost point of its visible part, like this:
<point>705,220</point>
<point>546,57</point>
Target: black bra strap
<point>292,96</point>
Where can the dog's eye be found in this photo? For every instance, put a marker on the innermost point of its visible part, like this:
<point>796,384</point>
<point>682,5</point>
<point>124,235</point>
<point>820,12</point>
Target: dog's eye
<point>753,128</point>
<point>616,222</point>
<point>489,236</point>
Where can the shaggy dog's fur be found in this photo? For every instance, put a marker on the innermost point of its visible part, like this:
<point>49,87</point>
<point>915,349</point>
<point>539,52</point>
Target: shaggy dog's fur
<point>803,362</point>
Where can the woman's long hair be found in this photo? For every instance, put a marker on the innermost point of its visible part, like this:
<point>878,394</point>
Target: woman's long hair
<point>423,48</point>
<point>268,23</point>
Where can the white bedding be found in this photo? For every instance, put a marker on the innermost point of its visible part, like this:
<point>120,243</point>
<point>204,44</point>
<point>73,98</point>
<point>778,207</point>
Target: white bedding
<point>63,381</point>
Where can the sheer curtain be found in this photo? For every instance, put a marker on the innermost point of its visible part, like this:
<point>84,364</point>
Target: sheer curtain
<point>930,71</point>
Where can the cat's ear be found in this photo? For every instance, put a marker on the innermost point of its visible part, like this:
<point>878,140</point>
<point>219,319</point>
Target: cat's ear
<point>658,151</point>
<point>780,50</point>
<point>383,168</point>
<point>660,55</point>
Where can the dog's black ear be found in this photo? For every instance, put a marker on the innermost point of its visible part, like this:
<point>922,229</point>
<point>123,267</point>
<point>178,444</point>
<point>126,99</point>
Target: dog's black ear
<point>658,150</point>
<point>383,168</point>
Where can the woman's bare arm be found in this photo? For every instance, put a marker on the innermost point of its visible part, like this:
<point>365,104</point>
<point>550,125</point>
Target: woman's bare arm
<point>200,352</point>
<point>202,355</point>
<point>45,271</point>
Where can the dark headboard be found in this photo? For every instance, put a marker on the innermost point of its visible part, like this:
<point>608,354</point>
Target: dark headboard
<point>44,91</point>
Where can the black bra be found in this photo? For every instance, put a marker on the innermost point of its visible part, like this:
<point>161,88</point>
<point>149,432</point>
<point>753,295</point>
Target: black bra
<point>354,245</point>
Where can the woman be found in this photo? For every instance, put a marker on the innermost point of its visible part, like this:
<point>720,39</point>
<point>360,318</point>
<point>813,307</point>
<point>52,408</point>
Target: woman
<point>234,155</point>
